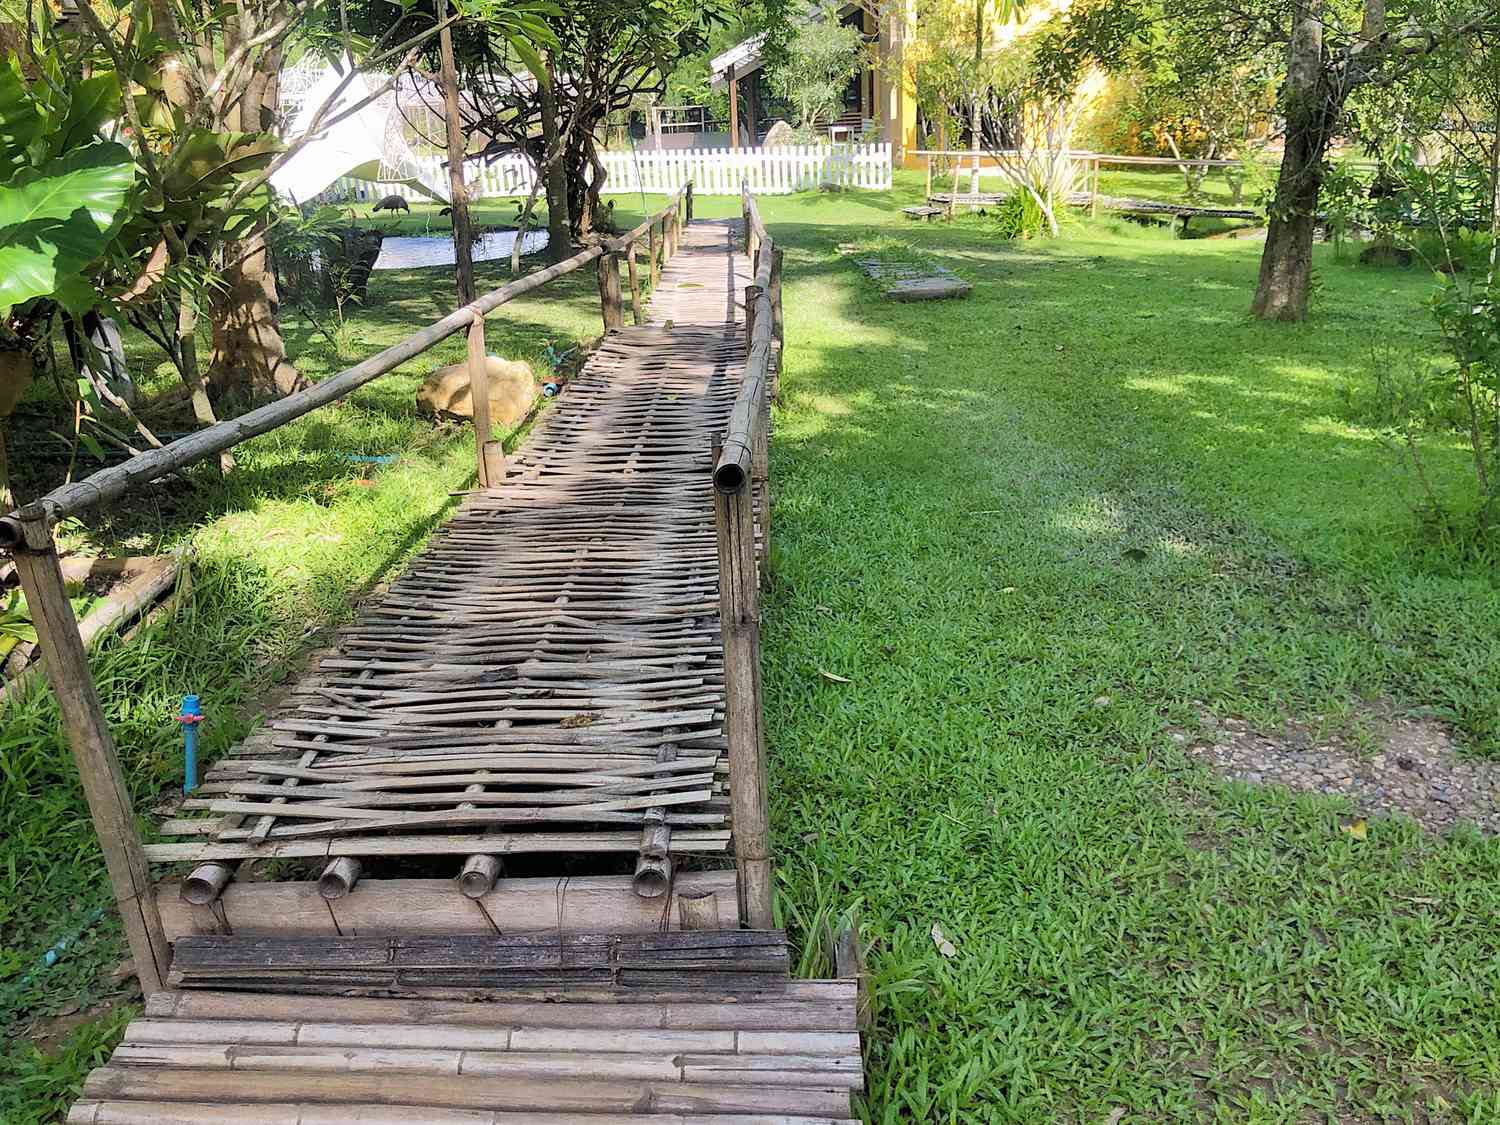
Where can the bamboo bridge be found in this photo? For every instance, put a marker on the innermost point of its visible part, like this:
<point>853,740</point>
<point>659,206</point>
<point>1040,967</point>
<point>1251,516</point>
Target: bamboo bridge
<point>518,816</point>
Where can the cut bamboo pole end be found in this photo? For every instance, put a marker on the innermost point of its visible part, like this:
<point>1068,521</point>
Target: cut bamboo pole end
<point>653,868</point>
<point>479,875</point>
<point>206,883</point>
<point>699,911</point>
<point>339,877</point>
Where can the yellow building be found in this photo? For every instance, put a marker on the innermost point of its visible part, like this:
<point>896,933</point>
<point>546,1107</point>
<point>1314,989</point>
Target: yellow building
<point>879,100</point>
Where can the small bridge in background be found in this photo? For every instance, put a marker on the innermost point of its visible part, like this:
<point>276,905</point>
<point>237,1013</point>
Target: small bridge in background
<point>499,807</point>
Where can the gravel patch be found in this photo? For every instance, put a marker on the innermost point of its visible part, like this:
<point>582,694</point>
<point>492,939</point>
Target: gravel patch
<point>1415,768</point>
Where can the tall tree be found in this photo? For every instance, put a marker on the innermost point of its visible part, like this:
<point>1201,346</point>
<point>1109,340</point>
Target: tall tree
<point>1331,49</point>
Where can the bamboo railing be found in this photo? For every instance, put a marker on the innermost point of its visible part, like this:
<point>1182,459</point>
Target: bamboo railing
<point>27,535</point>
<point>741,505</point>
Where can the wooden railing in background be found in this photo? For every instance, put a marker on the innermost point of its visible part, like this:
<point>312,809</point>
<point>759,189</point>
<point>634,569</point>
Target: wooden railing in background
<point>741,506</point>
<point>27,534</point>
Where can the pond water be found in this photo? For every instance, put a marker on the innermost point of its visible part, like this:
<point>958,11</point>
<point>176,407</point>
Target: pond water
<point>404,252</point>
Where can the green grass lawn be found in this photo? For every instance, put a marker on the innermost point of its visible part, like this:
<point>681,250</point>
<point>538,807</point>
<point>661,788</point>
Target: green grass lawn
<point>1038,531</point>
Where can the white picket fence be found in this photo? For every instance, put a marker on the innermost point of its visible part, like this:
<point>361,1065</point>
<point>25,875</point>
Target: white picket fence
<point>714,171</point>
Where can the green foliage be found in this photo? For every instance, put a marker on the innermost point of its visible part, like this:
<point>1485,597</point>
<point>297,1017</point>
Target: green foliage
<point>822,54</point>
<point>63,193</point>
<point>15,622</point>
<point>1020,216</point>
<point>1345,200</point>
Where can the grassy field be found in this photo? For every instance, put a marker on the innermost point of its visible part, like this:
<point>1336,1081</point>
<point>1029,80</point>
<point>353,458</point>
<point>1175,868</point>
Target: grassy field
<point>1038,531</point>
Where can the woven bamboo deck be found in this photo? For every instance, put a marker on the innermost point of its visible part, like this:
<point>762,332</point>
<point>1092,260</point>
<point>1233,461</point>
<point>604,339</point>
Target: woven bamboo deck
<point>550,667</point>
<point>547,678</point>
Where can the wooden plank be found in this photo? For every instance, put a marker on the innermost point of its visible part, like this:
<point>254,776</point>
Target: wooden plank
<point>687,841</point>
<point>818,1006</point>
<point>405,907</point>
<point>461,1091</point>
<point>271,1113</point>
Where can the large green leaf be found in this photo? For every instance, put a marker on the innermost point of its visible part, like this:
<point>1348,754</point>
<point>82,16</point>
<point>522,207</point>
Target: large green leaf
<point>93,179</point>
<point>57,219</point>
<point>207,162</point>
<point>93,103</point>
<point>47,258</point>
<point>21,122</point>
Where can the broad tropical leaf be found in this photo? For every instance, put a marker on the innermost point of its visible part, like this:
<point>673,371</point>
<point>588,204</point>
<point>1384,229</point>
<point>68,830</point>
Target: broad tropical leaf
<point>94,102</point>
<point>57,219</point>
<point>20,122</point>
<point>209,162</point>
<point>93,179</point>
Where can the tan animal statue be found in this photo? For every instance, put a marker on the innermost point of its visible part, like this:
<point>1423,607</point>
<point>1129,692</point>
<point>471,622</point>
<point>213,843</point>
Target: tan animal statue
<point>512,391</point>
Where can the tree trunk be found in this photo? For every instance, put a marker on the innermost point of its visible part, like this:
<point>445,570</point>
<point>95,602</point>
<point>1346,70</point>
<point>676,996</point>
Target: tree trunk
<point>249,358</point>
<point>463,235</point>
<point>1312,109</point>
<point>555,174</point>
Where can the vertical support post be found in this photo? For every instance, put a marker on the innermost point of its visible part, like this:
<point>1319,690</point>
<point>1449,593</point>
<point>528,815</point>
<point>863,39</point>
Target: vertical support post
<point>635,285</point>
<point>777,326</point>
<point>1094,191</point>
<point>734,109</point>
<point>653,246</point>
<point>489,454</point>
<point>739,617</point>
<point>927,190</point>
<point>110,804</point>
<point>609,291</point>
<point>760,477</point>
<point>688,194</point>
<point>752,296</point>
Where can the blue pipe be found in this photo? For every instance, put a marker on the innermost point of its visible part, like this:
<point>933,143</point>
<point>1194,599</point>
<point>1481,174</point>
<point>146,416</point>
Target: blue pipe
<point>192,715</point>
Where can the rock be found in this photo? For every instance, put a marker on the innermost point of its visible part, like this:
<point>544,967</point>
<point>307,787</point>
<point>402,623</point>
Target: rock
<point>512,391</point>
<point>780,133</point>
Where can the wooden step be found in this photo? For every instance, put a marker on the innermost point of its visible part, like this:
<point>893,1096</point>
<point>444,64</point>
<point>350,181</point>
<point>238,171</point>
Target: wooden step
<point>717,962</point>
<point>282,1113</point>
<point>787,1058</point>
<point>798,1005</point>
<point>401,907</point>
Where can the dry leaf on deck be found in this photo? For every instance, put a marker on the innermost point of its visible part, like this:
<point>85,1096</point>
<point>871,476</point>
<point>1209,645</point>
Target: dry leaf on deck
<point>945,947</point>
<point>580,720</point>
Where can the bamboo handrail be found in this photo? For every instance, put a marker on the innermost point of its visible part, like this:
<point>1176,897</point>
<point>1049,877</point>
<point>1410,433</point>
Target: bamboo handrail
<point>732,471</point>
<point>115,481</point>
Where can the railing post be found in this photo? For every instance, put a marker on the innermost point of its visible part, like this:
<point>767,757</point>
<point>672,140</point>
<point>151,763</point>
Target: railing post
<point>635,285</point>
<point>739,618</point>
<point>652,248</point>
<point>688,194</point>
<point>489,454</point>
<point>760,479</point>
<point>752,297</point>
<point>609,291</point>
<point>778,328</point>
<point>94,753</point>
